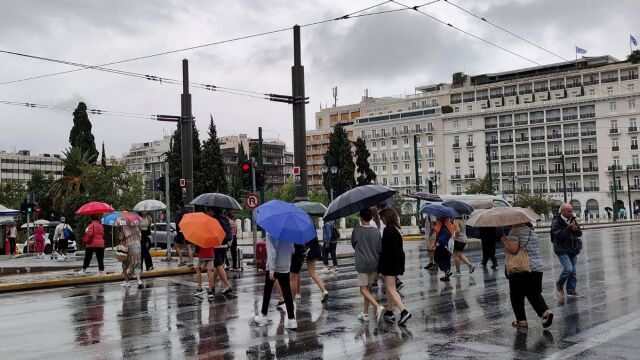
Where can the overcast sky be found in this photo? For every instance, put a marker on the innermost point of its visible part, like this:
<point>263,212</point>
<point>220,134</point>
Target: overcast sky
<point>389,54</point>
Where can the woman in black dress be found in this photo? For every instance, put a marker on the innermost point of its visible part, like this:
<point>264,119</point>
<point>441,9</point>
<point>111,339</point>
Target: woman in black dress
<point>391,265</point>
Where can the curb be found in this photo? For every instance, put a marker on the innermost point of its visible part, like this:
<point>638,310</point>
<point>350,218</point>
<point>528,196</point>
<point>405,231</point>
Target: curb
<point>80,280</point>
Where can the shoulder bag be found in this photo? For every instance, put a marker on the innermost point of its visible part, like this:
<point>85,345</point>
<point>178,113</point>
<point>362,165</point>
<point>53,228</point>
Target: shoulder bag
<point>518,262</point>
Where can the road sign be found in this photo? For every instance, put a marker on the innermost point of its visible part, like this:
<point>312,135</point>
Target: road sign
<point>296,170</point>
<point>183,182</point>
<point>252,201</point>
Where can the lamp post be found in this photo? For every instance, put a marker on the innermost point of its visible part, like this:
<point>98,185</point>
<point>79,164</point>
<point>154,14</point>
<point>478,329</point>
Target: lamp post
<point>513,187</point>
<point>334,170</point>
<point>326,171</point>
<point>433,174</point>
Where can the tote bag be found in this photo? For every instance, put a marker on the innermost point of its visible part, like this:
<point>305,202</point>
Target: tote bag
<point>518,262</point>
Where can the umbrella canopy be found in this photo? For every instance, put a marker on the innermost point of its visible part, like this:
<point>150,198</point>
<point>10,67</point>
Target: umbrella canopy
<point>285,222</point>
<point>422,195</point>
<point>202,230</point>
<point>128,219</point>
<point>4,211</point>
<point>149,205</point>
<point>110,219</point>
<point>460,207</point>
<point>501,217</point>
<point>439,211</point>
<point>94,208</point>
<point>357,199</point>
<point>41,222</point>
<point>482,204</point>
<point>312,208</point>
<point>218,200</point>
<point>608,209</point>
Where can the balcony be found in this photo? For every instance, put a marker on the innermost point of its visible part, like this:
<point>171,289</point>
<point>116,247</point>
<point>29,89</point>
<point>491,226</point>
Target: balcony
<point>507,157</point>
<point>574,85</point>
<point>541,89</point>
<point>471,159</point>
<point>572,171</point>
<point>570,117</point>
<point>572,152</point>
<point>493,157</point>
<point>507,173</point>
<point>589,133</point>
<point>629,77</point>
<point>590,169</point>
<point>536,121</point>
<point>521,173</point>
<point>482,97</point>
<point>470,176</point>
<point>470,144</point>
<point>456,193</point>
<point>592,188</point>
<point>557,87</point>
<point>522,156</point>
<point>539,172</point>
<point>495,96</point>
<point>490,126</point>
<point>540,191</point>
<point>591,82</point>
<point>522,139</point>
<point>512,93</point>
<point>455,145</point>
<point>571,134</point>
<point>614,167</point>
<point>506,141</point>
<point>537,137</point>
<point>553,118</point>
<point>609,80</point>
<point>633,167</point>
<point>521,122</point>
<point>456,160</point>
<point>491,142</point>
<point>456,101</point>
<point>540,154</point>
<point>632,129</point>
<point>525,91</point>
<point>587,115</point>
<point>614,131</point>
<point>554,153</point>
<point>456,177</point>
<point>618,187</point>
<point>554,136</point>
<point>615,148</point>
<point>505,124</point>
<point>469,99</point>
<point>634,187</point>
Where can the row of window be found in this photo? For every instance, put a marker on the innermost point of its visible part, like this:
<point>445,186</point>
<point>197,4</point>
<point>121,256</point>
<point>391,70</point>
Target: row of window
<point>32,162</point>
<point>406,129</point>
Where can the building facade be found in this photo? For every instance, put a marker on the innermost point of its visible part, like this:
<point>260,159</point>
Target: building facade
<point>148,158</point>
<point>17,166</point>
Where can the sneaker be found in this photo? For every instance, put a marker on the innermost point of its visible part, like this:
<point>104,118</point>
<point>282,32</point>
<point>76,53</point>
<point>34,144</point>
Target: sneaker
<point>140,286</point>
<point>101,273</point>
<point>291,324</point>
<point>399,284</point>
<point>575,295</point>
<point>151,268</point>
<point>82,272</point>
<point>379,313</point>
<point>559,290</point>
<point>404,316</point>
<point>227,290</point>
<point>62,258</point>
<point>281,306</point>
<point>209,295</point>
<point>125,284</point>
<point>457,274</point>
<point>333,269</point>
<point>445,279</point>
<point>389,317</point>
<point>472,268</point>
<point>182,263</point>
<point>325,296</point>
<point>363,317</point>
<point>261,320</point>
<point>199,292</point>
<point>191,265</point>
<point>430,266</point>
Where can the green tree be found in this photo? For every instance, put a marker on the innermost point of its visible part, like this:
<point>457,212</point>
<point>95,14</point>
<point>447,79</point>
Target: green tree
<point>286,193</point>
<point>366,175</point>
<point>39,184</point>
<point>634,57</point>
<point>174,157</point>
<point>81,136</point>
<point>69,192</point>
<point>213,177</point>
<point>480,186</point>
<point>236,174</point>
<point>12,193</point>
<point>540,203</point>
<point>339,155</point>
<point>104,157</point>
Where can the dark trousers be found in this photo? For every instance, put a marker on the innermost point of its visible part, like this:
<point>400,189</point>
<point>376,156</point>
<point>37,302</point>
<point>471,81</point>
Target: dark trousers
<point>285,286</point>
<point>12,245</point>
<point>527,285</point>
<point>88,254</point>
<point>145,244</point>
<point>329,249</point>
<point>234,252</point>
<point>489,251</point>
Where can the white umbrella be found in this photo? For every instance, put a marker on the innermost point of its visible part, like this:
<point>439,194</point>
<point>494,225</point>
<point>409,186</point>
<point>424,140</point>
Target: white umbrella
<point>41,222</point>
<point>501,217</point>
<point>149,205</point>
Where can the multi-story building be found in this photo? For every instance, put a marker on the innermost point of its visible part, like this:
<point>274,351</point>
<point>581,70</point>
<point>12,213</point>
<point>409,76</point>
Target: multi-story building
<point>17,166</point>
<point>147,158</point>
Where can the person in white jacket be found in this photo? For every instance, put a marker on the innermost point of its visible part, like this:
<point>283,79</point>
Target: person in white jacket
<point>60,241</point>
<point>278,265</point>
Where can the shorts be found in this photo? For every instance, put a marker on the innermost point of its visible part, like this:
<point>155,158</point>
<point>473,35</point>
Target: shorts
<point>180,240</point>
<point>296,263</point>
<point>315,251</point>
<point>219,256</point>
<point>365,279</point>
<point>205,264</point>
<point>458,245</point>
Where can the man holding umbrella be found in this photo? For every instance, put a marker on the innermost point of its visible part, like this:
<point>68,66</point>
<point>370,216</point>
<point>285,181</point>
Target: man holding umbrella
<point>220,252</point>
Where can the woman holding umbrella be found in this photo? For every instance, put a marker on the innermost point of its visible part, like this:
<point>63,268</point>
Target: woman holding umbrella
<point>444,230</point>
<point>460,241</point>
<point>93,240</point>
<point>145,240</point>
<point>130,237</point>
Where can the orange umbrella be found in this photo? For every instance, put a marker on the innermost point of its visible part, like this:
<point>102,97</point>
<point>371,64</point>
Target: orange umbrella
<point>202,230</point>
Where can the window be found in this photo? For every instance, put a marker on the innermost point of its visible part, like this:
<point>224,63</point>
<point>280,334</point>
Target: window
<point>424,103</point>
<point>395,156</point>
<point>434,102</point>
<point>456,156</point>
<point>610,90</point>
<point>375,157</point>
<point>430,153</point>
<point>406,155</point>
<point>592,92</point>
<point>405,129</point>
<point>394,131</point>
<point>469,123</point>
<point>472,170</point>
<point>512,102</point>
<point>457,171</point>
<point>430,139</point>
<point>417,127</point>
<point>384,181</point>
<point>363,134</point>
<point>405,141</point>
<point>635,160</point>
<point>616,160</point>
<point>394,142</point>
<point>384,168</point>
<point>419,166</point>
<point>418,140</point>
<point>471,157</point>
<point>456,140</point>
<point>632,104</point>
<point>458,188</point>
<point>375,169</point>
<point>430,126</point>
<point>432,165</point>
<point>455,124</point>
<point>612,106</point>
<point>383,143</point>
<point>395,167</point>
<point>407,180</point>
<point>634,143</point>
<point>456,109</point>
<point>395,180</point>
<point>470,139</point>
<point>614,124</point>
<point>373,133</point>
<point>632,122</point>
<point>469,107</point>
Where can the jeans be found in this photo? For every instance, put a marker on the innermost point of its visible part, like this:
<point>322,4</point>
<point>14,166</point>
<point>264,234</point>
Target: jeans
<point>88,254</point>
<point>285,286</point>
<point>12,245</point>
<point>527,285</point>
<point>329,249</point>
<point>145,244</point>
<point>568,273</point>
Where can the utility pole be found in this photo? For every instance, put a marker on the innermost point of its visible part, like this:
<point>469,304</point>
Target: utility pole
<point>488,151</point>
<point>153,182</point>
<point>167,217</point>
<point>299,118</point>
<point>615,193</point>
<point>629,195</point>
<point>564,178</point>
<point>254,226</point>
<point>415,158</point>
<point>260,161</point>
<point>186,130</point>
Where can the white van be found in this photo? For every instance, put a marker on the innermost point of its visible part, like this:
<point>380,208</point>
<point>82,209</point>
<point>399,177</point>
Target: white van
<point>497,201</point>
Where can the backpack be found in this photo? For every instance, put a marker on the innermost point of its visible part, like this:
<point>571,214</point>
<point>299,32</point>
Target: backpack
<point>335,234</point>
<point>443,235</point>
<point>68,233</point>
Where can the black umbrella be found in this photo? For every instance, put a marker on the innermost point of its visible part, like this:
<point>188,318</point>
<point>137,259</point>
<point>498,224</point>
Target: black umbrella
<point>608,209</point>
<point>218,200</point>
<point>357,199</point>
<point>459,206</point>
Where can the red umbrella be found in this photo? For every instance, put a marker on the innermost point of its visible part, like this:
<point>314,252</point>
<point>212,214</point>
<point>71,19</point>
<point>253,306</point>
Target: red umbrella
<point>128,219</point>
<point>94,208</point>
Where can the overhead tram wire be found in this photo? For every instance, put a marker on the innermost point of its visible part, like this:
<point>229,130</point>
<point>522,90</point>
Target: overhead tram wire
<point>89,111</point>
<point>95,67</point>
<point>467,33</point>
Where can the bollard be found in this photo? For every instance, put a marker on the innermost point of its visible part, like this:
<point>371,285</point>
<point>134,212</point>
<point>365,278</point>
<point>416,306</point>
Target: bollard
<point>240,234</point>
<point>321,232</point>
<point>343,223</point>
<point>247,228</point>
<point>413,220</point>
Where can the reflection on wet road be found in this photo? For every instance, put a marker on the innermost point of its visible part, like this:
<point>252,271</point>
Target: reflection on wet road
<point>468,318</point>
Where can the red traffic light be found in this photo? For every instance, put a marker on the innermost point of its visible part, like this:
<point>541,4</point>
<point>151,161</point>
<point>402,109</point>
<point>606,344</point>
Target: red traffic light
<point>245,167</point>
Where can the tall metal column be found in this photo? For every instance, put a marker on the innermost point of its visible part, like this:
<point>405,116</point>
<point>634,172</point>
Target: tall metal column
<point>415,157</point>
<point>186,132</point>
<point>299,118</point>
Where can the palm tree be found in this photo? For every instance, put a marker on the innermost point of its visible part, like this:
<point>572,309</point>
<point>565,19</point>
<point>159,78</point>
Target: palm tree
<point>74,182</point>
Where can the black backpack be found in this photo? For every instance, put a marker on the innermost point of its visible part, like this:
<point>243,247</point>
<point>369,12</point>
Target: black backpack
<point>335,234</point>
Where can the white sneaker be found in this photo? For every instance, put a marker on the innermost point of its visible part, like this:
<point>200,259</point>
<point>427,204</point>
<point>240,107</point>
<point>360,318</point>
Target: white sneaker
<point>125,284</point>
<point>101,273</point>
<point>281,306</point>
<point>379,313</point>
<point>295,309</point>
<point>261,320</point>
<point>291,324</point>
<point>82,272</point>
<point>298,296</point>
<point>363,317</point>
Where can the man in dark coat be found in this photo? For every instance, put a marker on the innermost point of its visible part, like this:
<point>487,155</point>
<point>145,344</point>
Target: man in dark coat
<point>565,235</point>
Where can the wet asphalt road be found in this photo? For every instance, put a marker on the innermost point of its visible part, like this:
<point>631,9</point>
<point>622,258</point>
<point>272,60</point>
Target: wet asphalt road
<point>466,319</point>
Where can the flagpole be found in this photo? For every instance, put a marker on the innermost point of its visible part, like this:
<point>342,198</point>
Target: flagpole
<point>575,47</point>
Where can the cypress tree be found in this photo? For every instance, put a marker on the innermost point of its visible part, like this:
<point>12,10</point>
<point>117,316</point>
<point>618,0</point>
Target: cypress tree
<point>366,175</point>
<point>339,155</point>
<point>104,157</point>
<point>80,135</point>
<point>213,177</point>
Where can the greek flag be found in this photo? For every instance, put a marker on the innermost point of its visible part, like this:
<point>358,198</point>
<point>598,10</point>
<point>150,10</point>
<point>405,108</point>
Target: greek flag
<point>580,50</point>
<point>633,40</point>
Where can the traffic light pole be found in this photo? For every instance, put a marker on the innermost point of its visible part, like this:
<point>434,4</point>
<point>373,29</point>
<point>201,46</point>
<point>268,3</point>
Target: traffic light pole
<point>299,118</point>
<point>254,226</point>
<point>186,131</point>
<point>153,182</point>
<point>167,217</point>
<point>29,221</point>
<point>260,161</point>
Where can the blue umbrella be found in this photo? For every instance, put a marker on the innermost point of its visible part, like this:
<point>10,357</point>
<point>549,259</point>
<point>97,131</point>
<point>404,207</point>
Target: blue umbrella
<point>440,211</point>
<point>110,220</point>
<point>285,222</point>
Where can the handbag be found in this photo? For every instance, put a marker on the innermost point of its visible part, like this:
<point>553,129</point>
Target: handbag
<point>518,262</point>
<point>121,252</point>
<point>86,239</point>
<point>450,245</point>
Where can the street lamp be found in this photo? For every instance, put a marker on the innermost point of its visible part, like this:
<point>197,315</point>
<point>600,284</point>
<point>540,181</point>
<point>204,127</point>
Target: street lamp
<point>434,174</point>
<point>334,170</point>
<point>513,187</point>
<point>326,171</point>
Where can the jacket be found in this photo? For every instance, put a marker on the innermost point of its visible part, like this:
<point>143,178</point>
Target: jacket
<point>392,255</point>
<point>95,234</point>
<point>327,232</point>
<point>278,255</point>
<point>565,241</point>
<point>366,242</point>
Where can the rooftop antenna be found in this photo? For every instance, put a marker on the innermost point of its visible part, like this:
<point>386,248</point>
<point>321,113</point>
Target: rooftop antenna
<point>335,96</point>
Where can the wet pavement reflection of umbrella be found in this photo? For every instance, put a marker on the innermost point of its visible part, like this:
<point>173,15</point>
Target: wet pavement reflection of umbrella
<point>460,207</point>
<point>285,222</point>
<point>202,230</point>
<point>357,199</point>
<point>218,200</point>
<point>501,217</point>
<point>438,210</point>
<point>149,205</point>
<point>422,195</point>
<point>94,208</point>
<point>312,208</point>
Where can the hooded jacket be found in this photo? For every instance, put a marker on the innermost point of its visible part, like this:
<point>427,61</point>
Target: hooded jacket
<point>565,241</point>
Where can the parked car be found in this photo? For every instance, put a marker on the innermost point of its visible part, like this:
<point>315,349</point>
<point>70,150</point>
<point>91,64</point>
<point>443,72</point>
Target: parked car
<point>159,234</point>
<point>48,247</point>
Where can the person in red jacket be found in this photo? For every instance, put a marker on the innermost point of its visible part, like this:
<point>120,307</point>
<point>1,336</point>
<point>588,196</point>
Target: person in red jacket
<point>94,243</point>
<point>39,238</point>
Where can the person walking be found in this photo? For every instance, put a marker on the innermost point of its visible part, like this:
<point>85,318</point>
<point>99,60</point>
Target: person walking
<point>220,252</point>
<point>38,237</point>
<point>180,240</point>
<point>565,235</point>
<point>60,237</point>
<point>488,240</point>
<point>429,224</point>
<point>145,239</point>
<point>13,235</point>
<point>314,253</point>
<point>330,236</point>
<point>205,263</point>
<point>391,265</point>
<point>278,265</point>
<point>93,240</point>
<point>130,237</point>
<point>233,244</point>
<point>366,242</point>
<point>444,230</point>
<point>526,284</point>
<point>460,241</point>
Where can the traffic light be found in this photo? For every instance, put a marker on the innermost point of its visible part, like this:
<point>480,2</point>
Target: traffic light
<point>260,179</point>
<point>246,169</point>
<point>160,183</point>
